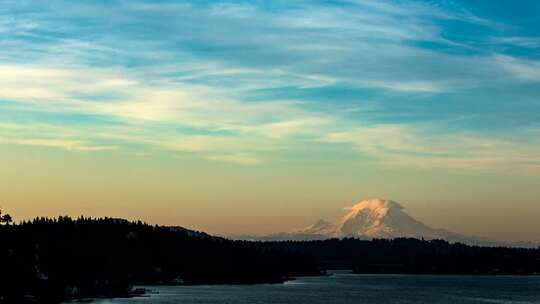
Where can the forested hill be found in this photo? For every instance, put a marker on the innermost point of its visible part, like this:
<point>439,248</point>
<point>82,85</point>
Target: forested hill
<point>53,259</point>
<point>414,256</point>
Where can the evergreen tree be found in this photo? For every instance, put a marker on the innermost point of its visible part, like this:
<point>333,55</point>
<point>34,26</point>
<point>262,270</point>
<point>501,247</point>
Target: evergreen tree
<point>5,219</point>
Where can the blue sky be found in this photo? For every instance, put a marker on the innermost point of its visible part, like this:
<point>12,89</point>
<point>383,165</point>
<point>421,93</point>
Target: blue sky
<point>439,83</point>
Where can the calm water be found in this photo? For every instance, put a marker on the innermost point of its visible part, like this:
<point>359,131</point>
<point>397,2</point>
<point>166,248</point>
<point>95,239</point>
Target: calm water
<point>350,288</point>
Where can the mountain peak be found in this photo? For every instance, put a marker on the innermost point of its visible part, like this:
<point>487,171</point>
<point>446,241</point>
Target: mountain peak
<point>322,223</point>
<point>381,205</point>
<point>320,227</point>
<point>381,218</point>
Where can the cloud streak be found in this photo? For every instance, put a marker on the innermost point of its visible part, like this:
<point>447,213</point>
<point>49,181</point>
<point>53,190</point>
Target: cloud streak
<point>398,146</point>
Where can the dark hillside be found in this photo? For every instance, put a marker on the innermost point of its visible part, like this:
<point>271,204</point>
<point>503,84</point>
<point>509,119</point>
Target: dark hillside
<point>56,258</point>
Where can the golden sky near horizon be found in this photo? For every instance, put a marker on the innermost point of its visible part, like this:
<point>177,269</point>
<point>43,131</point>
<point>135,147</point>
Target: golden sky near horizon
<point>223,198</point>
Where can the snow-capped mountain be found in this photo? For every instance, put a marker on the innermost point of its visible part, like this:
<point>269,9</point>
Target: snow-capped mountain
<point>378,218</point>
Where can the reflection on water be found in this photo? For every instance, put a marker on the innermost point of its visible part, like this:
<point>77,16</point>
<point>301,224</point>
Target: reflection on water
<point>349,288</point>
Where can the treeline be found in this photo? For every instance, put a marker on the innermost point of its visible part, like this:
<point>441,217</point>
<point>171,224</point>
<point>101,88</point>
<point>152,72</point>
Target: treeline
<point>49,260</point>
<point>413,256</point>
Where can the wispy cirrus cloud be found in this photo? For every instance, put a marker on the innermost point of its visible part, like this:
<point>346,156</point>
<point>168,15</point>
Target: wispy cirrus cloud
<point>417,147</point>
<point>527,42</point>
<point>241,159</point>
<point>71,145</point>
<point>50,136</point>
<point>525,70</point>
<point>204,77</point>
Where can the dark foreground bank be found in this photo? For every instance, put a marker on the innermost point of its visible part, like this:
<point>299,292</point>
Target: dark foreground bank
<point>53,259</point>
<point>50,260</point>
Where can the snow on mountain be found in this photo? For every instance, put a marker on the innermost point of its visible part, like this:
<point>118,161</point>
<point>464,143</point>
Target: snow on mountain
<point>378,218</point>
<point>321,227</point>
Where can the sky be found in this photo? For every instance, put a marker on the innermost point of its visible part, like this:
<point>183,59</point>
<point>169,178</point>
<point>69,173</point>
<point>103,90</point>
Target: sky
<point>239,117</point>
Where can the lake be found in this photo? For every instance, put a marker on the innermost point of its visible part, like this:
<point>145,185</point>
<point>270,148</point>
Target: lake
<point>343,287</point>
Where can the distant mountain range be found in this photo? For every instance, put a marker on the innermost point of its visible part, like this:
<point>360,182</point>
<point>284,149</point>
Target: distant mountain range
<point>378,218</point>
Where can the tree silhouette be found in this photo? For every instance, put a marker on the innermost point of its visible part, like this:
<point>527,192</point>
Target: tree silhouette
<point>5,219</point>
